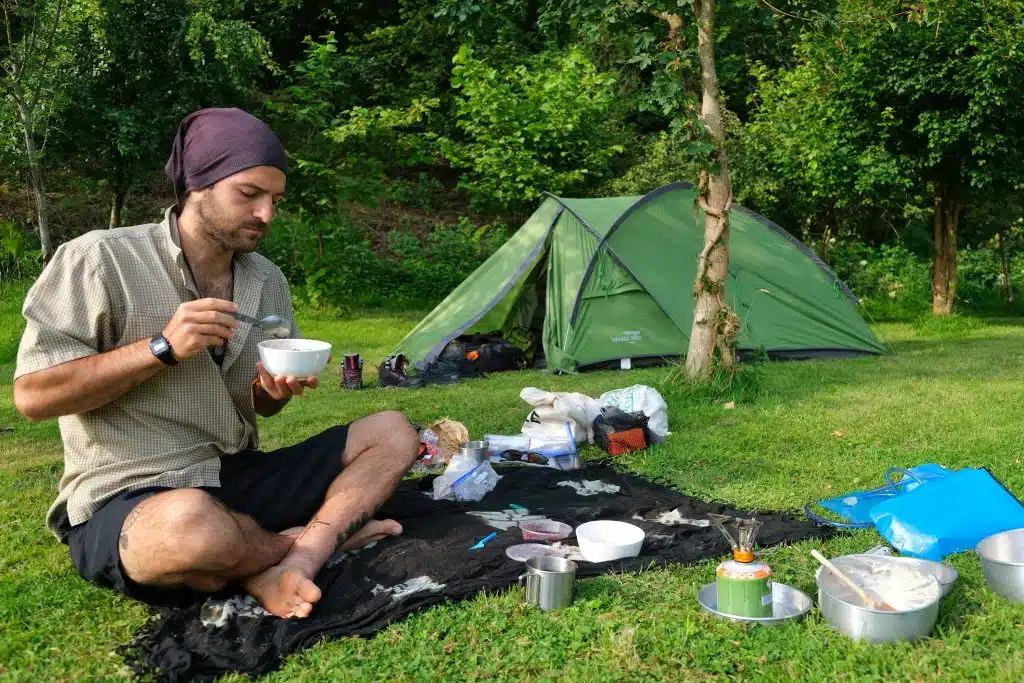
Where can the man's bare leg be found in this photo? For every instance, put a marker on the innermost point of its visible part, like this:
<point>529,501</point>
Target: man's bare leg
<point>188,537</point>
<point>380,450</point>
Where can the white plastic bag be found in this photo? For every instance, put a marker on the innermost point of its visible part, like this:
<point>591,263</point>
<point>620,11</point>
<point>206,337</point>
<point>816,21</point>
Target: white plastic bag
<point>551,411</point>
<point>640,397</point>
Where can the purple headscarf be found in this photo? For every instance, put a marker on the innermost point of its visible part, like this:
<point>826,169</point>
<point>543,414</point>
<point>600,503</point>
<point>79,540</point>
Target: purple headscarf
<point>213,144</point>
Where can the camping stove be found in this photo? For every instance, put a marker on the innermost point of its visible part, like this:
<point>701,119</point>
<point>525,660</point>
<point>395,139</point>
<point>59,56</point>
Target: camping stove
<point>744,584</point>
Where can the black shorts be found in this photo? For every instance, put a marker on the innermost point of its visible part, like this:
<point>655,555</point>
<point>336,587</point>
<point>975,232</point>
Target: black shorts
<point>279,489</point>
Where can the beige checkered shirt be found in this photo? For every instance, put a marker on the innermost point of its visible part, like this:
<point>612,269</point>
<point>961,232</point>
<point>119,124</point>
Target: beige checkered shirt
<point>108,288</point>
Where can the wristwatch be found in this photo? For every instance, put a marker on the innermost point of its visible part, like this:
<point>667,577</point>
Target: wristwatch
<point>161,348</point>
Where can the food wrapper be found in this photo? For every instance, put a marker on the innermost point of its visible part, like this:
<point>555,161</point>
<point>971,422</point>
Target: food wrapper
<point>450,436</point>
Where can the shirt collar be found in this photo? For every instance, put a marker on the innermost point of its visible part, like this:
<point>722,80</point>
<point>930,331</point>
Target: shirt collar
<point>245,266</point>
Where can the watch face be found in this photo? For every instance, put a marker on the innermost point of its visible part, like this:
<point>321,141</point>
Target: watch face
<point>160,345</point>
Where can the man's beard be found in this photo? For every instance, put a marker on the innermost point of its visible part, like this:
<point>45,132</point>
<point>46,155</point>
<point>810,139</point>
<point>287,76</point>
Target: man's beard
<point>224,233</point>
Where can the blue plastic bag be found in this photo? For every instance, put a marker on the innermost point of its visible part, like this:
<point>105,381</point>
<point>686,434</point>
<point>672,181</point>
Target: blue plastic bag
<point>947,514</point>
<point>855,507</point>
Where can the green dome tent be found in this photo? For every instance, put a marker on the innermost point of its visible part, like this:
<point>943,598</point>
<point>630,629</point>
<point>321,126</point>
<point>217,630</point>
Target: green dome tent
<point>601,280</point>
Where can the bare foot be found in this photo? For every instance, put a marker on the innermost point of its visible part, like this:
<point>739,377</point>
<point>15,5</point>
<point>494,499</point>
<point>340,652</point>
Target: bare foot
<point>374,530</point>
<point>284,591</point>
<point>287,592</point>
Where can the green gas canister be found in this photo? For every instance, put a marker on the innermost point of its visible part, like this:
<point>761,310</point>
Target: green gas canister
<point>744,584</point>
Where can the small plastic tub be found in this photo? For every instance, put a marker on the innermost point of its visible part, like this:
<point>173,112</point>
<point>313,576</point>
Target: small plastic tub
<point>527,551</point>
<point>544,530</point>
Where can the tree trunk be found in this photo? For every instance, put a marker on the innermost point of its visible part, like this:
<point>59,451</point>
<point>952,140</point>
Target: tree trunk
<point>39,190</point>
<point>1004,269</point>
<point>947,217</point>
<point>116,206</point>
<point>829,231</point>
<point>35,175</point>
<point>714,326</point>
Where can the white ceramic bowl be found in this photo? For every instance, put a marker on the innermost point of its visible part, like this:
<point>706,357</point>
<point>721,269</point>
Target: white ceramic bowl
<point>606,540</point>
<point>299,358</point>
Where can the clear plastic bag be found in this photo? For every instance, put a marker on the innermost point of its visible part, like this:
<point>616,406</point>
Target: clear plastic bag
<point>476,483</point>
<point>465,480</point>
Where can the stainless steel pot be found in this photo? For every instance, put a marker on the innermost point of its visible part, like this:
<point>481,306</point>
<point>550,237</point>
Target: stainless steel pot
<point>1002,561</point>
<point>848,614</point>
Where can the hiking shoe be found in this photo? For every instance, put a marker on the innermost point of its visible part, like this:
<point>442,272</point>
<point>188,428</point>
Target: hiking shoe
<point>352,372</point>
<point>391,373</point>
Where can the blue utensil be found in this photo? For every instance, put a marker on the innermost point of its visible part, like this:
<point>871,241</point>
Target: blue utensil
<point>487,538</point>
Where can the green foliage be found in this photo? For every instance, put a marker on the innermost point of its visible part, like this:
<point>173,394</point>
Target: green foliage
<point>540,126</point>
<point>501,22</point>
<point>37,70</point>
<point>887,98</point>
<point>19,254</point>
<point>677,154</point>
<point>889,281</point>
<point>890,106</point>
<point>331,263</point>
<point>342,152</point>
<point>124,116</point>
<point>892,283</point>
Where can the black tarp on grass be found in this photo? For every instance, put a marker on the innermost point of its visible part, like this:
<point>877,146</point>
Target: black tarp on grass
<point>431,562</point>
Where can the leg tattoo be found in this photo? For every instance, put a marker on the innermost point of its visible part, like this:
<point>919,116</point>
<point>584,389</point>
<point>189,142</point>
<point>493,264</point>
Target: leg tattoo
<point>353,527</point>
<point>133,516</point>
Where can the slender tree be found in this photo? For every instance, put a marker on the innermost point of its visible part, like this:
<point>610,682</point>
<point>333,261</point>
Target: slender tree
<point>715,327</point>
<point>33,76</point>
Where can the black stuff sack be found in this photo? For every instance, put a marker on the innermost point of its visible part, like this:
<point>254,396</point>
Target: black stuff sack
<point>483,353</point>
<point>617,432</point>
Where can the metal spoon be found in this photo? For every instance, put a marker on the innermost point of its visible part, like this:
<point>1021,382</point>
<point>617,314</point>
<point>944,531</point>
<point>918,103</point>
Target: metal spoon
<point>274,325</point>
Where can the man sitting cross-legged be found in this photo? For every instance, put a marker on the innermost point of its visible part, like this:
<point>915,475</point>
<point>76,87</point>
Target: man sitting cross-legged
<point>130,341</point>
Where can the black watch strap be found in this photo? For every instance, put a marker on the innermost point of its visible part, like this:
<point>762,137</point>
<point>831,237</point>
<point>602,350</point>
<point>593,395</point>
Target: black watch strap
<point>161,348</point>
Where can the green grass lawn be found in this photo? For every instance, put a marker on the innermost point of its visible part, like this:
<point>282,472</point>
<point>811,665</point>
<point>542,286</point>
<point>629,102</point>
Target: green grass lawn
<point>951,394</point>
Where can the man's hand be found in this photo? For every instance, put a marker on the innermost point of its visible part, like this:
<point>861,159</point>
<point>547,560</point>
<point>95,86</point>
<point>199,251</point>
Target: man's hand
<point>270,394</point>
<point>282,388</point>
<point>198,325</point>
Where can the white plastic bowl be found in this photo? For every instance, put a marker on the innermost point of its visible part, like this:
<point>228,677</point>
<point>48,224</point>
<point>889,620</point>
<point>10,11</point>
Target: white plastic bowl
<point>606,540</point>
<point>299,358</point>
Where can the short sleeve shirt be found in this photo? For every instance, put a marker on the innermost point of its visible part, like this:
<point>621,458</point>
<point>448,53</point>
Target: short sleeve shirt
<point>109,288</point>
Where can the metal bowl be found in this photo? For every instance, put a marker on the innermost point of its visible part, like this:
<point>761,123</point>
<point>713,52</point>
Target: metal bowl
<point>945,574</point>
<point>788,603</point>
<point>1002,560</point>
<point>858,622</point>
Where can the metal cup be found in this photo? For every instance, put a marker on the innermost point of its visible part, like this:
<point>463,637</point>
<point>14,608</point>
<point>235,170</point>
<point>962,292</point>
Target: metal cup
<point>549,581</point>
<point>476,451</point>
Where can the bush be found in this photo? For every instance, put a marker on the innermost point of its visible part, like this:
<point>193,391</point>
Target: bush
<point>547,125</point>
<point>661,158</point>
<point>893,283</point>
<point>890,281</point>
<point>19,253</point>
<point>978,281</point>
<point>329,262</point>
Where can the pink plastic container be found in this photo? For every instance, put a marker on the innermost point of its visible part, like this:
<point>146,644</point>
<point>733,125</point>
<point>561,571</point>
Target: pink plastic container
<point>544,530</point>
